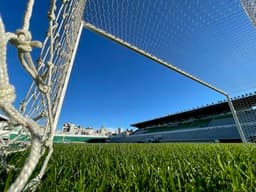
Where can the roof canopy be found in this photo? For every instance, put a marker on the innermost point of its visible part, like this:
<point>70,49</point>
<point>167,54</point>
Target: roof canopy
<point>209,110</point>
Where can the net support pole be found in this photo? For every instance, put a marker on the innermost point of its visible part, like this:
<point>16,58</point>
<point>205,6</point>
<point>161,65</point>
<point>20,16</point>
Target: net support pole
<point>172,67</point>
<point>66,80</point>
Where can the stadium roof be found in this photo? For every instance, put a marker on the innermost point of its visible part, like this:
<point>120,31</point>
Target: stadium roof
<point>214,109</point>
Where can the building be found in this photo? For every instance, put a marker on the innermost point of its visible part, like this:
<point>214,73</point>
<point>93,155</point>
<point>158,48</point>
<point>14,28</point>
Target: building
<point>72,133</point>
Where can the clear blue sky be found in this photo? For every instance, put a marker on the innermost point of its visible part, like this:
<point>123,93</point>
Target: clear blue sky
<point>115,87</point>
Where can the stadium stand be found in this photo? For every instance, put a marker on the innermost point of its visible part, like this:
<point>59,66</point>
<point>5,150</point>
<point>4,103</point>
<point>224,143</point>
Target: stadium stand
<point>211,123</point>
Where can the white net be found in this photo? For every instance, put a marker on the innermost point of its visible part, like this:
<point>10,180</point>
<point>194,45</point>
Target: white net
<point>209,39</point>
<point>35,122</point>
<point>213,40</point>
<point>245,106</point>
<point>250,8</point>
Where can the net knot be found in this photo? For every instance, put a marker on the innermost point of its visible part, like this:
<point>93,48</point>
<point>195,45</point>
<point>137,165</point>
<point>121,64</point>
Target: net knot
<point>64,1</point>
<point>41,86</point>
<point>23,41</point>
<point>7,94</point>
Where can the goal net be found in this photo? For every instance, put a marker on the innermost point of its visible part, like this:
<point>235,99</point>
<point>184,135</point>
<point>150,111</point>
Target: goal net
<point>35,122</point>
<point>250,9</point>
<point>214,41</point>
<point>211,42</point>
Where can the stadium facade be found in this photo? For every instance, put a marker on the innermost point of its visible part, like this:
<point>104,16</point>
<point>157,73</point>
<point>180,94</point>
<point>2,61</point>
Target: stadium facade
<point>211,123</point>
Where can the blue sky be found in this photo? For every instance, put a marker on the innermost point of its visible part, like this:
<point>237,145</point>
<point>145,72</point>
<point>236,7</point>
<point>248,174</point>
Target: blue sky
<point>115,87</point>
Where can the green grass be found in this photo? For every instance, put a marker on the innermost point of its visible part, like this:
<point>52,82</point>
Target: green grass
<point>151,167</point>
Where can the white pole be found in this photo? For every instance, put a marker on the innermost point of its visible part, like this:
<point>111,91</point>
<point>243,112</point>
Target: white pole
<point>237,122</point>
<point>66,80</point>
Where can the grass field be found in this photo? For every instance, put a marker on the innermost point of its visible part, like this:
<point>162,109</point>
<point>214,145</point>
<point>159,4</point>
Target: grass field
<point>147,167</point>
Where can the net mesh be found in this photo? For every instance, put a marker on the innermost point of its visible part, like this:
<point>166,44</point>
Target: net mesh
<point>245,106</point>
<point>56,54</point>
<point>37,118</point>
<point>209,39</point>
<point>213,40</point>
<point>250,9</point>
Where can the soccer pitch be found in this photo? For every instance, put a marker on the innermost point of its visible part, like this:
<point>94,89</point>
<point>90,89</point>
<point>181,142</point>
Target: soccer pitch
<point>145,167</point>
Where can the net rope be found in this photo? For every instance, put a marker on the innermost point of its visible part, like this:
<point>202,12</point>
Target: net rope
<point>37,116</point>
